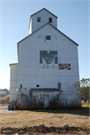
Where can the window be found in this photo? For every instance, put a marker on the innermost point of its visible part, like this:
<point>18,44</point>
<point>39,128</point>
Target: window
<point>38,19</point>
<point>48,37</point>
<point>50,20</point>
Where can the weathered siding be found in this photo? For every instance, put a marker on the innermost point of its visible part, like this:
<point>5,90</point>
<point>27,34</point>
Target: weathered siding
<point>45,99</point>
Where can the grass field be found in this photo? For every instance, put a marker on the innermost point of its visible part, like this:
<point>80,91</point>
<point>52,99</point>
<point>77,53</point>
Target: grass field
<point>87,104</point>
<point>29,121</point>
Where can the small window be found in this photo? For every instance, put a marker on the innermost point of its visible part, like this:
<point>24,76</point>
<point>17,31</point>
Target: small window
<point>38,19</point>
<point>48,37</point>
<point>50,20</point>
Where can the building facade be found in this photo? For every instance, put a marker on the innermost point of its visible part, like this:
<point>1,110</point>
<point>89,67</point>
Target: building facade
<point>47,65</point>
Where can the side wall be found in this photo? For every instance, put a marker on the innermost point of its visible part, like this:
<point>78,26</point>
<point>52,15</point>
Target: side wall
<point>13,82</point>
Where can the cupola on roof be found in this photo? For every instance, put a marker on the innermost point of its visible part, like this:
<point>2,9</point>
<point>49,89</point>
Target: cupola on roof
<point>40,18</point>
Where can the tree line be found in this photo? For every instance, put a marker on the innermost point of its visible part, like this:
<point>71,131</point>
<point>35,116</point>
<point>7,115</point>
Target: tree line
<point>82,89</point>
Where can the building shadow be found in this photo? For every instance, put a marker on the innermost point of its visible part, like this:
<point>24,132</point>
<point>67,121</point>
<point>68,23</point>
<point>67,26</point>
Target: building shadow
<point>81,111</point>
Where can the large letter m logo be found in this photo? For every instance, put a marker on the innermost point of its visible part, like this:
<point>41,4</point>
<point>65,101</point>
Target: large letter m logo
<point>49,57</point>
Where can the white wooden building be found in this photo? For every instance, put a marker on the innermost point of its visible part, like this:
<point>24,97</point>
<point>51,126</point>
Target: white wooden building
<point>47,64</point>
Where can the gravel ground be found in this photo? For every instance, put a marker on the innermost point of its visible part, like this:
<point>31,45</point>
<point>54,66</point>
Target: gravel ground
<point>4,109</point>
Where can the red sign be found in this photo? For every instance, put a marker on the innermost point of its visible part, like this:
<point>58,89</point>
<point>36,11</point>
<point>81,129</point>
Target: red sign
<point>65,66</point>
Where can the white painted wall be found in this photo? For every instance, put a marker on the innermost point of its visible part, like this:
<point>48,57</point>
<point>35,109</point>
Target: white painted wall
<point>34,25</point>
<point>13,82</point>
<point>31,72</point>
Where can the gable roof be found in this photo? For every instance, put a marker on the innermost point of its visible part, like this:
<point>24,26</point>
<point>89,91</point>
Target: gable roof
<point>46,10</point>
<point>51,26</point>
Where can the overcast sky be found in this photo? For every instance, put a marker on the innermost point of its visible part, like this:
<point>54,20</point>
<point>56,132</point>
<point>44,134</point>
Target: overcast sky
<point>73,20</point>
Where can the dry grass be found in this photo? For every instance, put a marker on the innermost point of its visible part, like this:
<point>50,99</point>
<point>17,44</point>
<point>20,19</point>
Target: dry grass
<point>87,104</point>
<point>48,118</point>
<point>4,100</point>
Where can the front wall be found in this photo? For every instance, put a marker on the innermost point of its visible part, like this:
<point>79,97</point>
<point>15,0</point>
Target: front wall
<point>33,72</point>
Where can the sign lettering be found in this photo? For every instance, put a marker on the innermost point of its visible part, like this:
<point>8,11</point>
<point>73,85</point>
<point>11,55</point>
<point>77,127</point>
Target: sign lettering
<point>65,66</point>
<point>49,57</point>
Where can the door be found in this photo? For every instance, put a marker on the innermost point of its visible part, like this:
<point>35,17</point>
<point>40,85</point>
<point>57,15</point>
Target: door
<point>46,100</point>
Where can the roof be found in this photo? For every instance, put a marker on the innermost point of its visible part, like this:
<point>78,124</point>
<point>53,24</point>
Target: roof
<point>13,64</point>
<point>44,9</point>
<point>51,26</point>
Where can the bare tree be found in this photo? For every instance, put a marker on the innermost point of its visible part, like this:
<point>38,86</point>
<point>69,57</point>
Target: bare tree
<point>81,89</point>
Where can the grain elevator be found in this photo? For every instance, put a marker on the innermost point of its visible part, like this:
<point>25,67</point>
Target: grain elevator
<point>47,65</point>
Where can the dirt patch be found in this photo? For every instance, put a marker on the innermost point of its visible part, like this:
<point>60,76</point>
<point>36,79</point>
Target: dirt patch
<point>4,109</point>
<point>42,129</point>
<point>4,99</point>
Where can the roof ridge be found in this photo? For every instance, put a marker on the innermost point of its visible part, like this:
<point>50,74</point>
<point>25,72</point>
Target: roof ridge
<point>46,10</point>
